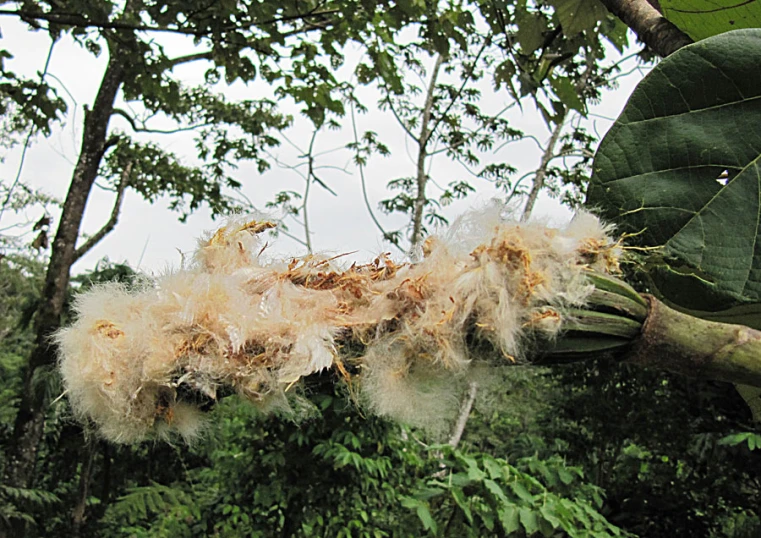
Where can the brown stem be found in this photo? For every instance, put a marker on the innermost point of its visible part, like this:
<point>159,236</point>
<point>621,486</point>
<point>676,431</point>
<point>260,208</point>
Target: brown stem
<point>653,29</point>
<point>698,348</point>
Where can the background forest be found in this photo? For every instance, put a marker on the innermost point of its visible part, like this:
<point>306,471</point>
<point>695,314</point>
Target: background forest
<point>598,448</point>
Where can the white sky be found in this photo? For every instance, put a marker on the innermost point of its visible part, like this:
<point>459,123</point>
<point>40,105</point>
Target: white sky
<point>149,236</point>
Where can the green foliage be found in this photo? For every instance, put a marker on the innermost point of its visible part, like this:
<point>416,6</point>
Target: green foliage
<point>105,271</point>
<point>478,494</point>
<point>20,278</point>
<point>25,104</point>
<point>141,503</point>
<point>432,87</point>
<point>657,445</point>
<point>17,503</point>
<point>298,49</point>
<point>338,474</point>
<point>705,18</point>
<point>295,47</point>
<point>658,171</point>
<point>658,174</point>
<point>753,440</point>
<point>335,474</point>
<point>577,16</point>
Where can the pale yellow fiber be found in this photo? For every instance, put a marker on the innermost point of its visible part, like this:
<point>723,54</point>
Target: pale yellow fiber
<point>146,362</point>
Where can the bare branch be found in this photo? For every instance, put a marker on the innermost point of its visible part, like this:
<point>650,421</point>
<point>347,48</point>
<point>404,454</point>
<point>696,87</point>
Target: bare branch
<point>401,122</point>
<point>173,62</point>
<point>111,142</point>
<point>27,142</point>
<point>111,223</point>
<point>79,21</point>
<point>310,175</point>
<point>143,129</point>
<point>363,182</point>
<point>480,129</point>
<point>541,172</point>
<point>486,43</point>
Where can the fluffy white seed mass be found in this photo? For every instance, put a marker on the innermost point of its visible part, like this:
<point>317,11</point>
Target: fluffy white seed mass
<point>135,361</point>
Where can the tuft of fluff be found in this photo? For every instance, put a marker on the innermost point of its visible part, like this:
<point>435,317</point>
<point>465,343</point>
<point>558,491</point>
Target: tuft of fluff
<point>146,362</point>
<point>406,390</point>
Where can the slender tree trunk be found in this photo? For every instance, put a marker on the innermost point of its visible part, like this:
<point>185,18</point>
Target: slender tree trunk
<point>85,474</point>
<point>651,27</point>
<point>462,419</point>
<point>459,427</point>
<point>421,176</point>
<point>105,494</point>
<point>30,420</point>
<point>541,172</point>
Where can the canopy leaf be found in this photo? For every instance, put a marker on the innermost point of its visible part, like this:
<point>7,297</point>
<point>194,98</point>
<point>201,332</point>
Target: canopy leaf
<point>680,168</point>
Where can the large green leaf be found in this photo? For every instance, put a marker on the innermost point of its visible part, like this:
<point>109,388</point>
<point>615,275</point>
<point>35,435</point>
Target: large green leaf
<point>658,171</point>
<point>705,18</point>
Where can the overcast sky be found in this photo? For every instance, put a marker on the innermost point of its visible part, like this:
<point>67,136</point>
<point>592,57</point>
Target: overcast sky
<point>149,236</point>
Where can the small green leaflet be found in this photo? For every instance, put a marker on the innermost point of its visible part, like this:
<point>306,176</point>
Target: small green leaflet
<point>577,16</point>
<point>531,28</point>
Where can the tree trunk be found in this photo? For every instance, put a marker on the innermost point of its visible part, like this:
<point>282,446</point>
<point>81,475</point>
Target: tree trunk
<point>30,420</point>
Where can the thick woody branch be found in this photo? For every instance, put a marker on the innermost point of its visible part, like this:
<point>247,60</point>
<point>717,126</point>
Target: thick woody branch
<point>695,347</point>
<point>650,26</point>
<point>111,223</point>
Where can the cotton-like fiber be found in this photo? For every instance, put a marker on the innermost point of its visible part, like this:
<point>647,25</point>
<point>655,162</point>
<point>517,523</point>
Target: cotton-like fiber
<point>147,362</point>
